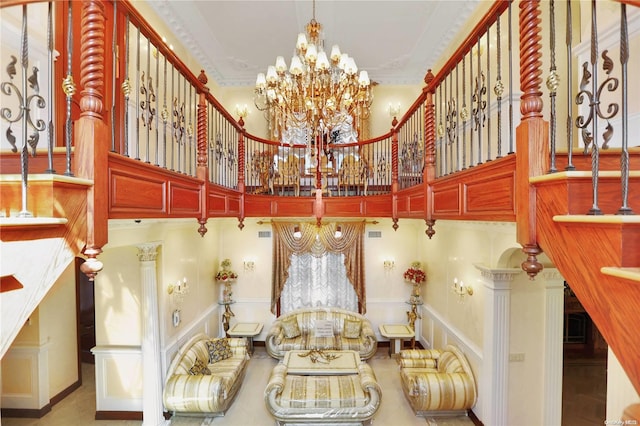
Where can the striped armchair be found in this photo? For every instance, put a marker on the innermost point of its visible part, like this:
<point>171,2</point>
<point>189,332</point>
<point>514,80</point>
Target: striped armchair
<point>198,384</point>
<point>437,382</point>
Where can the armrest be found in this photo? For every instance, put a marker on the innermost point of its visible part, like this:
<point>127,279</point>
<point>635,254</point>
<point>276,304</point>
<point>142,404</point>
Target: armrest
<point>443,391</point>
<point>368,378</point>
<point>238,345</point>
<point>276,380</point>
<point>420,354</point>
<point>188,393</point>
<point>418,363</point>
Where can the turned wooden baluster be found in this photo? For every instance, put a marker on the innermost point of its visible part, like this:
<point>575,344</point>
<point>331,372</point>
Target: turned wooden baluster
<point>430,153</point>
<point>532,135</point>
<point>91,138</point>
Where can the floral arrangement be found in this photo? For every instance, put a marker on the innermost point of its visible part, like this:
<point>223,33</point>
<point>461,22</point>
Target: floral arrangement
<point>226,274</point>
<point>415,274</point>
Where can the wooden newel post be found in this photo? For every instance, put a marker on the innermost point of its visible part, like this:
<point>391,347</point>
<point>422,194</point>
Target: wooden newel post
<point>202,160</point>
<point>242,153</point>
<point>429,153</point>
<point>532,135</point>
<point>91,136</point>
<point>394,178</point>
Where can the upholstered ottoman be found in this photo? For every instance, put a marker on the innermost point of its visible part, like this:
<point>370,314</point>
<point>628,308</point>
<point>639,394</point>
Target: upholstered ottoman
<point>346,399</point>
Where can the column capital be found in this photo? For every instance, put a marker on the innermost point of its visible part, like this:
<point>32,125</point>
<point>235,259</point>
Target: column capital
<point>147,251</point>
<point>497,278</point>
<point>552,277</point>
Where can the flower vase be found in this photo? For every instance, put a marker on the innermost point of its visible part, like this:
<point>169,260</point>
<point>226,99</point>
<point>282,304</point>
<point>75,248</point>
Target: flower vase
<point>415,293</point>
<point>226,292</point>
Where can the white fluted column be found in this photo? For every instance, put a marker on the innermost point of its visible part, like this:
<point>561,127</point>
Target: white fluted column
<point>495,352</point>
<point>152,377</point>
<point>553,328</point>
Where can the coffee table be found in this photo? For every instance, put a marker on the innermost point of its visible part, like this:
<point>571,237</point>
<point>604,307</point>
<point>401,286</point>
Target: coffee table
<point>248,330</point>
<point>395,333</point>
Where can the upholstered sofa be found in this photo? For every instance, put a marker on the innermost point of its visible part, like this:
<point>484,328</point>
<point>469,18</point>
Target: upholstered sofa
<point>279,340</point>
<point>205,375</point>
<point>437,382</point>
<point>351,399</point>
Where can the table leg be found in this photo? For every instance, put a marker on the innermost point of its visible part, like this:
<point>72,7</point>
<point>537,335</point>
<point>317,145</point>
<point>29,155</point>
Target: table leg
<point>250,344</point>
<point>395,344</point>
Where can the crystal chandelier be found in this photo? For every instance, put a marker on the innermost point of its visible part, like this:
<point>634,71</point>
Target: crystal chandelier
<point>317,96</point>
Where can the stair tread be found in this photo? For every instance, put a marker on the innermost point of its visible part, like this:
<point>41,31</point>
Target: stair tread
<point>627,273</point>
<point>32,221</point>
<point>581,174</point>
<point>607,218</point>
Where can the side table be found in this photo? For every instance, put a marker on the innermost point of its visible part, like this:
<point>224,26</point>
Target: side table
<point>396,333</point>
<point>248,330</point>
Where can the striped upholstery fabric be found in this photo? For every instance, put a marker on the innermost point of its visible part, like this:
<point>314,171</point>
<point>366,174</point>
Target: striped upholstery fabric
<point>440,381</point>
<point>277,344</point>
<point>212,394</point>
<point>342,399</point>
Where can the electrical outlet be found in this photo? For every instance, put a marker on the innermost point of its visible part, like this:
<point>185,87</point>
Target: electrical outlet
<point>518,357</point>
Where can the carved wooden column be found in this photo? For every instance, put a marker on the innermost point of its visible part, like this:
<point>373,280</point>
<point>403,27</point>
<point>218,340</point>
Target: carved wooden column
<point>152,372</point>
<point>91,134</point>
<point>553,331</point>
<point>430,154</point>
<point>202,160</point>
<point>494,385</point>
<point>532,134</point>
<point>394,178</point>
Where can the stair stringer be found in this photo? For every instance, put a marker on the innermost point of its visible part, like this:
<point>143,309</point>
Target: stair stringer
<point>579,249</point>
<point>37,264</point>
<point>38,250</point>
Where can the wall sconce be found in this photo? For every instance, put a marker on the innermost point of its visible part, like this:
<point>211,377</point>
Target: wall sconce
<point>394,110</point>
<point>249,265</point>
<point>460,289</point>
<point>296,232</point>
<point>338,233</point>
<point>177,292</point>
<point>242,110</point>
<point>389,264</point>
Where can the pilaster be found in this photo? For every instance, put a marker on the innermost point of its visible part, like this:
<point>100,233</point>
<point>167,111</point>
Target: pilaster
<point>495,365</point>
<point>553,325</point>
<point>152,377</point>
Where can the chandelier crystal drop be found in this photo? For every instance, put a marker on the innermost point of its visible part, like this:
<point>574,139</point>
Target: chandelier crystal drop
<point>317,94</point>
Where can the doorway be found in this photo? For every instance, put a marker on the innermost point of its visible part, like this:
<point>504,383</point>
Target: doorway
<point>584,388</point>
<point>86,315</point>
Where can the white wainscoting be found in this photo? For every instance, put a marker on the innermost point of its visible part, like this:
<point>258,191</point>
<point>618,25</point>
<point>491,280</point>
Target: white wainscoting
<point>206,322</point>
<point>119,380</point>
<point>438,328</point>
<point>32,362</point>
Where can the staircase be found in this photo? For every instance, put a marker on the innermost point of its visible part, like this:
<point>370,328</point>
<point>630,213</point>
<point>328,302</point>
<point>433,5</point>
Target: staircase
<point>599,256</point>
<point>36,250</point>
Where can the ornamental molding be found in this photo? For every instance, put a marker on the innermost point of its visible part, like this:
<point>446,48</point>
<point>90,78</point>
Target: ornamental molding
<point>498,274</point>
<point>147,252</point>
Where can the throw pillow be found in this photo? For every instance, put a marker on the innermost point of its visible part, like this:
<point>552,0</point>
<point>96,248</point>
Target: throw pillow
<point>219,349</point>
<point>199,368</point>
<point>290,327</point>
<point>323,328</point>
<point>352,328</point>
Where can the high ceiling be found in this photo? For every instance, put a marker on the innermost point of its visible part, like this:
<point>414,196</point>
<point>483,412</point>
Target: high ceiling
<point>395,41</point>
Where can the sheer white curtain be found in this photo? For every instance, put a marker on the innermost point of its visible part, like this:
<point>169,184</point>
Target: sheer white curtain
<point>318,280</point>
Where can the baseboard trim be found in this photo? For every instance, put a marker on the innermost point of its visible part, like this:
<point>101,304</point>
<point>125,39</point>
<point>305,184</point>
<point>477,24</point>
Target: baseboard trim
<point>474,419</point>
<point>119,415</point>
<point>25,413</point>
<point>66,392</point>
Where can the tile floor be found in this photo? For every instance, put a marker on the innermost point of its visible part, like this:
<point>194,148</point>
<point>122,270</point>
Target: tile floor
<point>583,399</point>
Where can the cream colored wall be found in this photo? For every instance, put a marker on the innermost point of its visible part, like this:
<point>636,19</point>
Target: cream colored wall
<point>620,391</point>
<point>448,318</point>
<point>380,121</point>
<point>58,328</point>
<point>43,359</point>
<point>386,291</point>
